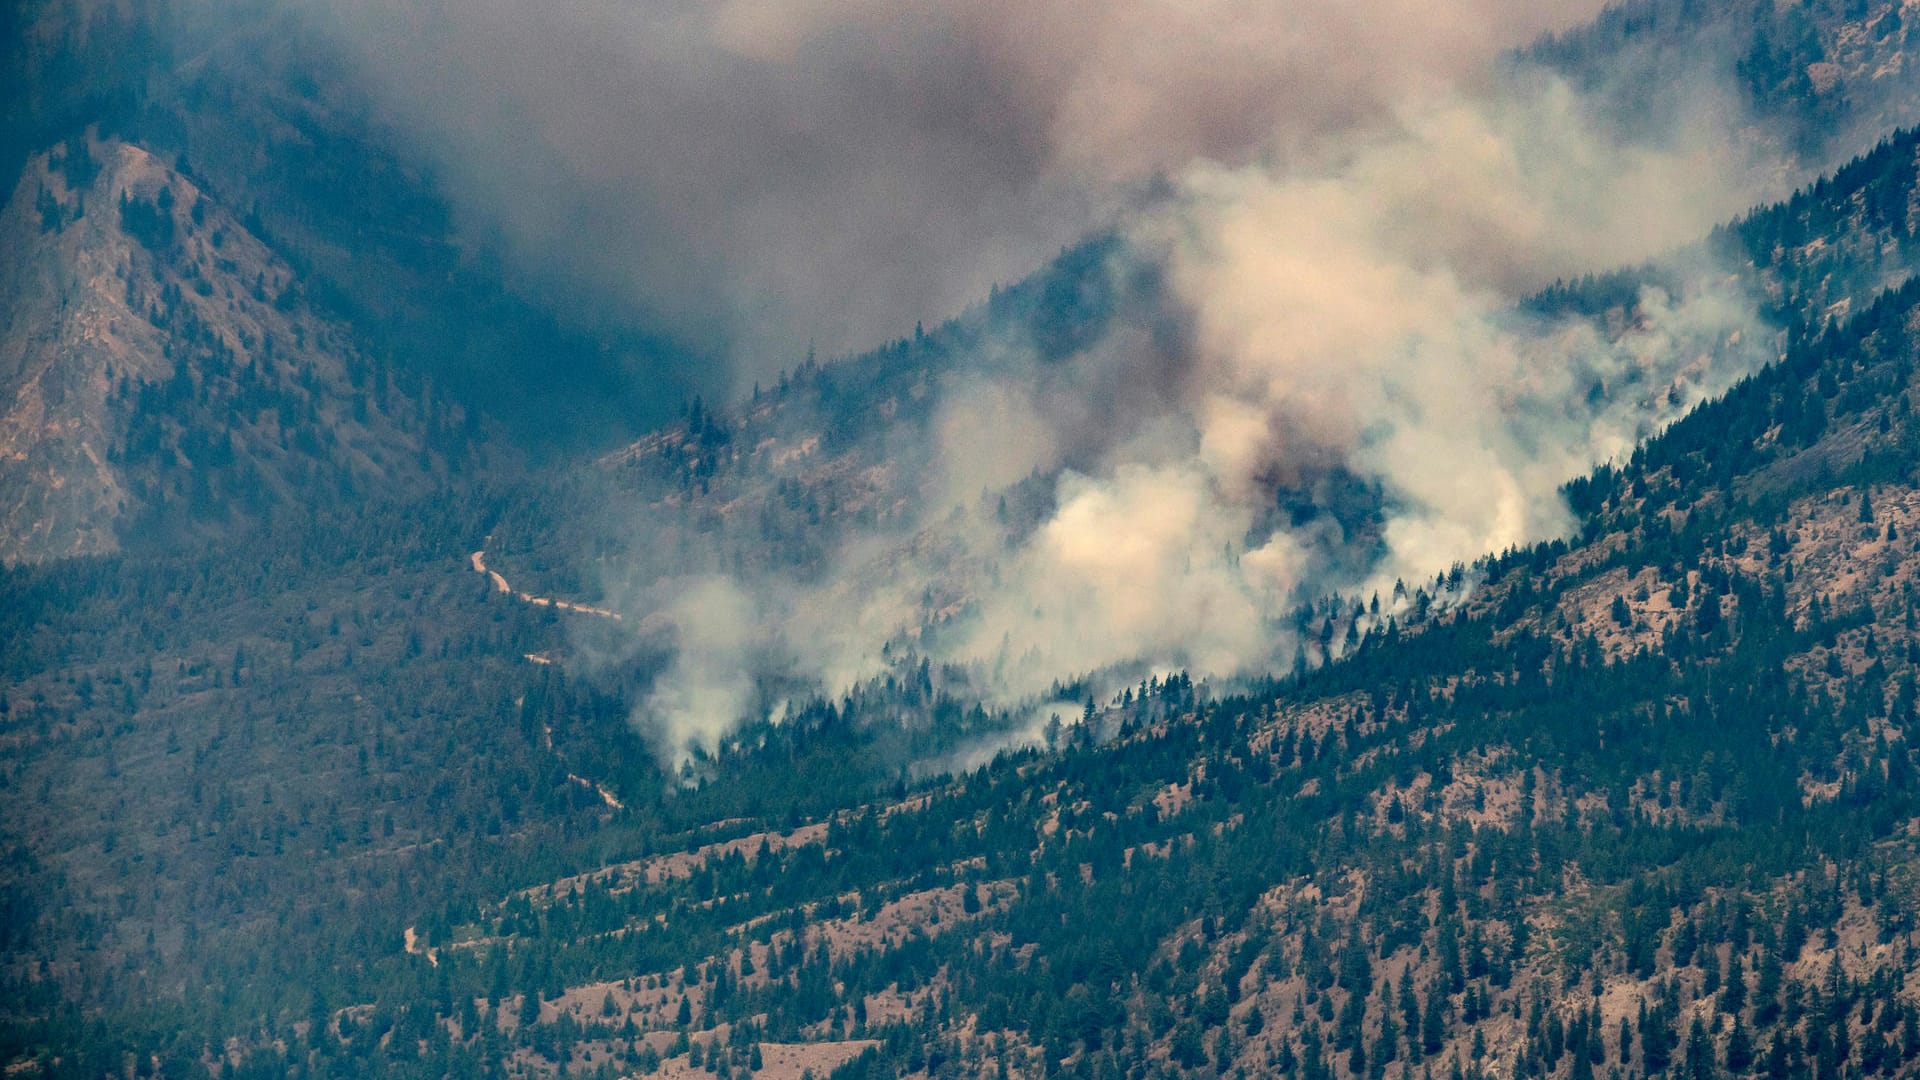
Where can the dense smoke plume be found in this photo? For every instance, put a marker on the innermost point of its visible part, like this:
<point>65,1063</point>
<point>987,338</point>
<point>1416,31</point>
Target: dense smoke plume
<point>1359,322</point>
<point>1351,325</point>
<point>762,174</point>
<point>1343,202</point>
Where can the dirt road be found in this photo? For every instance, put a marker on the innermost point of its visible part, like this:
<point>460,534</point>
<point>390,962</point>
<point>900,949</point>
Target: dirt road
<point>479,561</point>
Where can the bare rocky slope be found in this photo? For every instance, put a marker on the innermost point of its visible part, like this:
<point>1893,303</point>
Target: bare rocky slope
<point>161,373</point>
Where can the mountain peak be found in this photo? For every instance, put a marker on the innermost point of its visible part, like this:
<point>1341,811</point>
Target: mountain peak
<point>160,367</point>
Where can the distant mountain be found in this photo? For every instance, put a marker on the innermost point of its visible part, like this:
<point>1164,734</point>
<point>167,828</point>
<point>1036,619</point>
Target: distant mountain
<point>253,101</point>
<point>161,372</point>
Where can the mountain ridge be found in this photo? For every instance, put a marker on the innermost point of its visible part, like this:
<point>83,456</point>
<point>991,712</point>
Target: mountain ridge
<point>165,373</point>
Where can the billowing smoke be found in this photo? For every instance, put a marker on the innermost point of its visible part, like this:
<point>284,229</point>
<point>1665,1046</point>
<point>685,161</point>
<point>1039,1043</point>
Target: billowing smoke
<point>758,174</point>
<point>1355,396</point>
<point>1341,205</point>
<point>712,671</point>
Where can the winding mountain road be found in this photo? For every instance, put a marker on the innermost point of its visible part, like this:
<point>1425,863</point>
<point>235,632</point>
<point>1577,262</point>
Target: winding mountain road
<point>479,561</point>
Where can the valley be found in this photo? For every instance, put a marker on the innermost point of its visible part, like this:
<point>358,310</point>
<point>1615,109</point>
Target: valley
<point>1286,633</point>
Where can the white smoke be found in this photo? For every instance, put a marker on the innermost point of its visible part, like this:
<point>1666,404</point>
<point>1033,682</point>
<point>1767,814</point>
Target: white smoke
<point>1362,316</point>
<point>712,671</point>
<point>1352,325</point>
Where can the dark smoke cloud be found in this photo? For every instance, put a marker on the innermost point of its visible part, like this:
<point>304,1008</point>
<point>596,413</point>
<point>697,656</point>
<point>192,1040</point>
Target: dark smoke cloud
<point>1346,199</point>
<point>758,175</point>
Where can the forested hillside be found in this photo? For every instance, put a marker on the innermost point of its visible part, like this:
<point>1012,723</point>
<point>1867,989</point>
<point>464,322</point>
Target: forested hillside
<point>166,378</point>
<point>330,802</point>
<point>1820,77</point>
<point>331,672</point>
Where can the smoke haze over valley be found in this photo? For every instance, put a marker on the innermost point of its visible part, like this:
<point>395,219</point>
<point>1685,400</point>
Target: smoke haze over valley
<point>842,540</point>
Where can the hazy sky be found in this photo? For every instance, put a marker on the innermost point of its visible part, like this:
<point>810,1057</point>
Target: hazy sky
<point>762,174</point>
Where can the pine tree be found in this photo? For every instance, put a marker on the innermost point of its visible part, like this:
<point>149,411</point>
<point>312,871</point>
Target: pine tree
<point>1409,1005</point>
<point>1433,1022</point>
<point>1699,1061</point>
<point>1739,1047</point>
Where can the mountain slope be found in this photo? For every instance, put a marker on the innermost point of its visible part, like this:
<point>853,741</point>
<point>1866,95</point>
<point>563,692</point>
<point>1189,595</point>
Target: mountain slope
<point>1820,79</point>
<point>163,374</point>
<point>1641,801</point>
<point>319,799</point>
